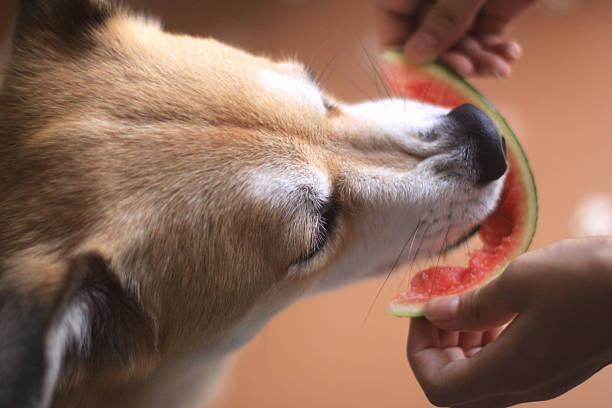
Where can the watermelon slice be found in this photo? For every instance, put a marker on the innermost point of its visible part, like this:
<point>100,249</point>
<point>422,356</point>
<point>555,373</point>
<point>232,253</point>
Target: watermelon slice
<point>507,232</point>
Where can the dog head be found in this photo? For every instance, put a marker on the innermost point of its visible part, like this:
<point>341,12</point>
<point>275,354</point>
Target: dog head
<point>164,195</point>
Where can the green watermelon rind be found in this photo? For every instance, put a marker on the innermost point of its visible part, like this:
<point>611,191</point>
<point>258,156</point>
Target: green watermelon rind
<point>517,153</point>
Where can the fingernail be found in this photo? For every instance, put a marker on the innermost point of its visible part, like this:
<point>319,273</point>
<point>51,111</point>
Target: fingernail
<point>463,70</point>
<point>420,48</point>
<point>513,51</point>
<point>501,74</point>
<point>442,309</point>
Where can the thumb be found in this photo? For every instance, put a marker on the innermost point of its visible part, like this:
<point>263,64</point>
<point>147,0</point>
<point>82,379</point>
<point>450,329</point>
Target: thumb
<point>444,24</point>
<point>484,308</point>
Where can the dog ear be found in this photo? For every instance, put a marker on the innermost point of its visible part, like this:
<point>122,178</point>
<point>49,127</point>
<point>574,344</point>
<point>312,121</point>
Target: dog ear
<point>44,322</point>
<point>66,21</point>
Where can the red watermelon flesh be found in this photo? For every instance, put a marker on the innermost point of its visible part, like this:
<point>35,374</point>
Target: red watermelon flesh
<point>507,232</point>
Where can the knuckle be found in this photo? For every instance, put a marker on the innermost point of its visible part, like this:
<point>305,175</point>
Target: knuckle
<point>600,254</point>
<point>507,294</point>
<point>470,306</point>
<point>398,6</point>
<point>446,17</point>
<point>509,288</point>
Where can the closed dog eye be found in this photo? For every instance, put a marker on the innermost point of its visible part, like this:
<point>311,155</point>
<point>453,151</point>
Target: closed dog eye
<point>325,224</point>
<point>310,72</point>
<point>329,105</point>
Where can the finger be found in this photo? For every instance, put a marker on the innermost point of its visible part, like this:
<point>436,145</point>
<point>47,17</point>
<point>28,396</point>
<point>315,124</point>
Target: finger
<point>458,63</point>
<point>469,340</point>
<point>473,345</point>
<point>402,7</point>
<point>451,379</point>
<point>507,49</point>
<point>428,360</point>
<point>444,24</point>
<point>423,349</point>
<point>480,376</point>
<point>454,353</point>
<point>469,353</point>
<point>487,24</point>
<point>484,308</point>
<point>485,61</point>
<point>506,10</point>
<point>397,20</point>
<point>422,335</point>
<point>448,338</point>
<point>497,14</point>
<point>494,375</point>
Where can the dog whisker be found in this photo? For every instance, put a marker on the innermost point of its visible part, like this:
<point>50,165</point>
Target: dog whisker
<point>359,88</point>
<point>314,55</point>
<point>326,72</point>
<point>410,239</point>
<point>364,65</point>
<point>418,250</point>
<point>409,254</point>
<point>374,66</point>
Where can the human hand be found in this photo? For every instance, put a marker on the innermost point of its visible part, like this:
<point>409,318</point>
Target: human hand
<point>560,298</point>
<point>466,35</point>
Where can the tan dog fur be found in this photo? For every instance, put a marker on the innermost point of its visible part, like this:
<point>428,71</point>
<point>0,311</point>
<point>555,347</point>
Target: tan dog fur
<point>160,193</point>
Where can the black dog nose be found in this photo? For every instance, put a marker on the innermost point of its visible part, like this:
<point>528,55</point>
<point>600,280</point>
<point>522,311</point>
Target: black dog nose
<point>488,148</point>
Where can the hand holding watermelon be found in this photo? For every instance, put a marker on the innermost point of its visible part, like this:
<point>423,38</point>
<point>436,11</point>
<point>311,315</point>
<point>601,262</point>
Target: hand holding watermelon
<point>465,35</point>
<point>561,335</point>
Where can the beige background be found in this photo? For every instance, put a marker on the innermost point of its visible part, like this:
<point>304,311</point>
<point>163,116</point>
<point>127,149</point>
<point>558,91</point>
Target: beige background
<point>320,352</point>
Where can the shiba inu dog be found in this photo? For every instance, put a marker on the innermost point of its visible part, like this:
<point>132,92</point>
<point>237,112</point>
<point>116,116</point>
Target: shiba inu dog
<point>163,197</point>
